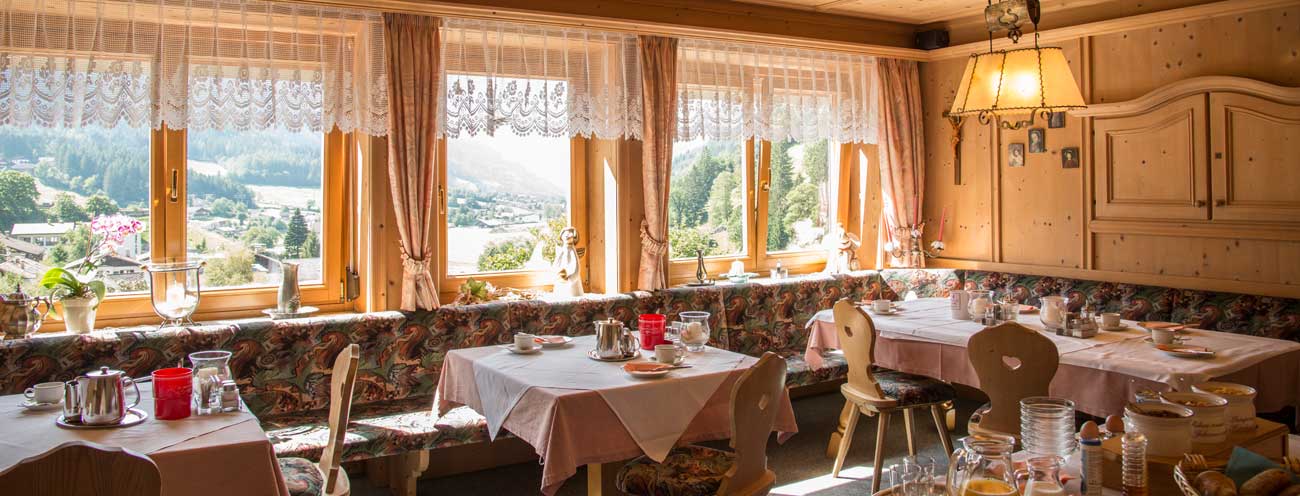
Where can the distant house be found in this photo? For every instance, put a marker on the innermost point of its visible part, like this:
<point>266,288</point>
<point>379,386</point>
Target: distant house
<point>25,249</point>
<point>43,234</point>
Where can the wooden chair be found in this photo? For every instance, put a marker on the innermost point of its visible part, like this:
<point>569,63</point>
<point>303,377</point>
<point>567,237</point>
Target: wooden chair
<point>696,470</point>
<point>83,469</point>
<point>882,392</point>
<point>327,478</point>
<point>1012,362</point>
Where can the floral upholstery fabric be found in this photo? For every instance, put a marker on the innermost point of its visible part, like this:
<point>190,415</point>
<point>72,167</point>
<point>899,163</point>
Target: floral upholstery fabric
<point>924,283</point>
<point>798,373</point>
<point>912,389</point>
<point>301,477</point>
<point>687,471</point>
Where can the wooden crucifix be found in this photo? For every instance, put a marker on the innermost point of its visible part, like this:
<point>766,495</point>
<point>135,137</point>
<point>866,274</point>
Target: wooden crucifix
<point>955,121</point>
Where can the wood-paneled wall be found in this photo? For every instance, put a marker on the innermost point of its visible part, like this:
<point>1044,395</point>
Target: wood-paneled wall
<point>1038,218</point>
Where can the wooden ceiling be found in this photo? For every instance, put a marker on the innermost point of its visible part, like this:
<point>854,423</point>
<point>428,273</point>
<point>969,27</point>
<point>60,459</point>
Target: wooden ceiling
<point>908,11</point>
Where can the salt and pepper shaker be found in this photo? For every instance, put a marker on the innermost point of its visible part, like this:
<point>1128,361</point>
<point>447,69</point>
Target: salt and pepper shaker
<point>229,396</point>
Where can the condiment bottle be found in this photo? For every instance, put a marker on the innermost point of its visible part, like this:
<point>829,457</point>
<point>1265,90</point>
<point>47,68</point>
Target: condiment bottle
<point>1134,464</point>
<point>1090,444</point>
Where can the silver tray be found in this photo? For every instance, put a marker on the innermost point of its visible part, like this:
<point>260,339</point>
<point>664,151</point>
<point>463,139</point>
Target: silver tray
<point>133,417</point>
<point>301,313</point>
<point>592,355</point>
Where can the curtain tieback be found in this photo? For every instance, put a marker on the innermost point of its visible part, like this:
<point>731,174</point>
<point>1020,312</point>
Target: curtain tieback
<point>656,247</point>
<point>414,266</point>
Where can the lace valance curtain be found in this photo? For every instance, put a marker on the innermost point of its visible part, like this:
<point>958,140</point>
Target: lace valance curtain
<point>539,81</point>
<point>215,64</point>
<point>730,91</point>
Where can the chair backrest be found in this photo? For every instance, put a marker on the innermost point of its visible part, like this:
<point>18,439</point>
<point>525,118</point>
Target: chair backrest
<point>1013,362</point>
<point>342,380</point>
<point>858,342</point>
<point>755,399</point>
<point>84,469</point>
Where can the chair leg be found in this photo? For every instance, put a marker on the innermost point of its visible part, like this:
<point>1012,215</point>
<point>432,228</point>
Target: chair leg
<point>846,440</point>
<point>938,413</point>
<point>907,423</point>
<point>833,446</point>
<point>878,462</point>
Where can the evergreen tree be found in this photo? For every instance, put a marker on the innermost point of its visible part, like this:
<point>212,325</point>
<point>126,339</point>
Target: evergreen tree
<point>782,181</point>
<point>310,246</point>
<point>17,199</point>
<point>295,235</point>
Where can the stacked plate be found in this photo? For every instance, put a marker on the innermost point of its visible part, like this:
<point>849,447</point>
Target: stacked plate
<point>1047,426</point>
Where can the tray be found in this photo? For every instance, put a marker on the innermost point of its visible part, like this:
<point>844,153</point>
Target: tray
<point>133,417</point>
<point>592,355</point>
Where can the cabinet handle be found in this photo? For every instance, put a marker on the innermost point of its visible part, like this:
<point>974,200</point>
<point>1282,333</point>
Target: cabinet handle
<point>1200,203</point>
<point>1220,202</point>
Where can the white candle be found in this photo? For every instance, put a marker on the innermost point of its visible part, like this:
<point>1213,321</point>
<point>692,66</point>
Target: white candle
<point>978,306</point>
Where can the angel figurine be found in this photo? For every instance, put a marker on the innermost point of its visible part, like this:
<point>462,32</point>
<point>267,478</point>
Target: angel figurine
<point>844,259</point>
<point>568,281</point>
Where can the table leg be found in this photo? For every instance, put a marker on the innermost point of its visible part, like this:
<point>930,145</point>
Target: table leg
<point>907,424</point>
<point>601,479</point>
<point>834,445</point>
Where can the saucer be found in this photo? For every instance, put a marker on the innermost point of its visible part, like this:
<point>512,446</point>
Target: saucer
<point>1117,328</point>
<point>41,407</point>
<point>511,348</point>
<point>643,370</point>
<point>1028,309</point>
<point>891,311</point>
<point>1183,351</point>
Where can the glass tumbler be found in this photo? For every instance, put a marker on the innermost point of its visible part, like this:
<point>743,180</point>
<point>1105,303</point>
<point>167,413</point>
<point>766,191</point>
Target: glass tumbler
<point>695,332</point>
<point>211,368</point>
<point>1047,426</point>
<point>172,393</point>
<point>913,476</point>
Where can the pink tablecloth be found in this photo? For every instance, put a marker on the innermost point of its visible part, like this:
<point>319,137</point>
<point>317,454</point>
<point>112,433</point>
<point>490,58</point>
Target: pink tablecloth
<point>1100,379</point>
<point>575,425</point>
<point>229,453</point>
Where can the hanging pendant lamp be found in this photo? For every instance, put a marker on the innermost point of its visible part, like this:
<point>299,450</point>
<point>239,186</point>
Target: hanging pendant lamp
<point>1016,81</point>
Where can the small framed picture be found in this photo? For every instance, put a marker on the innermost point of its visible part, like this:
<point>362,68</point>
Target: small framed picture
<point>1070,158</point>
<point>1037,140</point>
<point>1056,120</point>
<point>1016,155</point>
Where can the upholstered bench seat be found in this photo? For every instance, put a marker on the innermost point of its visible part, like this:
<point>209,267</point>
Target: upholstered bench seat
<point>798,373</point>
<point>376,430</point>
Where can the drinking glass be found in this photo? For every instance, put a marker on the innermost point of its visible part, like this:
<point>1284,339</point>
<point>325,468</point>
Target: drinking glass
<point>1047,426</point>
<point>651,326</point>
<point>913,476</point>
<point>211,368</point>
<point>172,393</point>
<point>696,331</point>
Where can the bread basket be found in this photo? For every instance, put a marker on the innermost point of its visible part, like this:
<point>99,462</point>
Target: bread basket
<point>1192,465</point>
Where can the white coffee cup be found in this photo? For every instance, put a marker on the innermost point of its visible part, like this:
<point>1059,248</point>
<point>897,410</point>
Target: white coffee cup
<point>524,341</point>
<point>881,306</point>
<point>1110,320</point>
<point>1162,336</point>
<point>45,392</point>
<point>666,353</point>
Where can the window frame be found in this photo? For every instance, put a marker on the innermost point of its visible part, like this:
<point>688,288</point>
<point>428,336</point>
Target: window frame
<point>756,257</point>
<point>167,237</point>
<point>449,284</point>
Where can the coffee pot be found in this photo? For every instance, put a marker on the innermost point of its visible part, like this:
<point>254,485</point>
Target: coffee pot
<point>614,340</point>
<point>99,397</point>
<point>19,317</point>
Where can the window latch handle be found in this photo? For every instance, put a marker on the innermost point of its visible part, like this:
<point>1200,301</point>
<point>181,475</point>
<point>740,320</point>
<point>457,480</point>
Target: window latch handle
<point>173,195</point>
<point>765,186</point>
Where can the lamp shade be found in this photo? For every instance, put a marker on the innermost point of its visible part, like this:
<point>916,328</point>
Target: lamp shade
<point>1021,81</point>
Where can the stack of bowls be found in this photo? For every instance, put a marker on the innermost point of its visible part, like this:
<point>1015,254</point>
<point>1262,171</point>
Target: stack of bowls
<point>1047,426</point>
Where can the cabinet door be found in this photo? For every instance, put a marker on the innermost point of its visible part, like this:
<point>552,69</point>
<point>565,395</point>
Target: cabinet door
<point>1256,167</point>
<point>1153,165</point>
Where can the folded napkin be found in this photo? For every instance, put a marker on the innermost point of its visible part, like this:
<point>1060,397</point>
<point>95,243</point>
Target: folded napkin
<point>549,339</point>
<point>1244,464</point>
<point>645,366</point>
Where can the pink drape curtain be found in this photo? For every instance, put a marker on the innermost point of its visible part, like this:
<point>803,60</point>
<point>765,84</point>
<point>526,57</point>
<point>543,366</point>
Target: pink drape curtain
<point>659,95</point>
<point>412,53</point>
<point>902,149</point>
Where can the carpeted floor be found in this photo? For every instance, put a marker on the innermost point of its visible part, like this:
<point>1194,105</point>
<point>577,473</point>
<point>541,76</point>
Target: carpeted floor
<point>801,465</point>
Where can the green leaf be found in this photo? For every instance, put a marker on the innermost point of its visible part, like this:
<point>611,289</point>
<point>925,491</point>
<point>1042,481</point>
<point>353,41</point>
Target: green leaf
<point>98,288</point>
<point>57,278</point>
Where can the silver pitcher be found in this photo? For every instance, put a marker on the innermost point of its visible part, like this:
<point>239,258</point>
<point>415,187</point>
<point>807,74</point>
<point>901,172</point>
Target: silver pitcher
<point>613,340</point>
<point>100,397</point>
<point>20,316</point>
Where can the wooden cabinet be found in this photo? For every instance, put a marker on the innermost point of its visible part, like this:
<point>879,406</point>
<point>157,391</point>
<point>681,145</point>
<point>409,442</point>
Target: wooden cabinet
<point>1255,144</point>
<point>1153,164</point>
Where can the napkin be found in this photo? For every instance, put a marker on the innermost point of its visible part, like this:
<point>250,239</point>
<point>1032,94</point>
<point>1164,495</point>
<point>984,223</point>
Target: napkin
<point>1244,464</point>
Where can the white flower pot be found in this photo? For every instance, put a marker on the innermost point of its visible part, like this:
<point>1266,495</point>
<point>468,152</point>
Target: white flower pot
<point>79,314</point>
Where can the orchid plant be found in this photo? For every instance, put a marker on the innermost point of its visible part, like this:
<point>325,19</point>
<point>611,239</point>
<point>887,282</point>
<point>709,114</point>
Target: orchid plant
<point>107,234</point>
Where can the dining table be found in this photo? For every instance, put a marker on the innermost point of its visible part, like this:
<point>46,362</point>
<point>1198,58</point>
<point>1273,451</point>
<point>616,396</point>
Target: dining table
<point>1100,374</point>
<point>223,452</point>
<point>575,410</point>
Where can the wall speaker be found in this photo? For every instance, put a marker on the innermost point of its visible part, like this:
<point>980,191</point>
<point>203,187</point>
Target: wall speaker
<point>932,39</point>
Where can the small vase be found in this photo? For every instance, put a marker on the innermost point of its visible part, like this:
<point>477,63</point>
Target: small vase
<point>79,314</point>
<point>289,298</point>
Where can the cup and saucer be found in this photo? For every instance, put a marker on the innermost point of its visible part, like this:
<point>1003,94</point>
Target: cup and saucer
<point>525,344</point>
<point>1110,321</point>
<point>882,307</point>
<point>668,354</point>
<point>43,397</point>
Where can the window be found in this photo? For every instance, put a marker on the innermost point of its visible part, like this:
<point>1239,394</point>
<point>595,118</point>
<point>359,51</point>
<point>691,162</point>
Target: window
<point>53,181</point>
<point>759,203</point>
<point>254,200</point>
<point>508,198</point>
<point>706,199</point>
